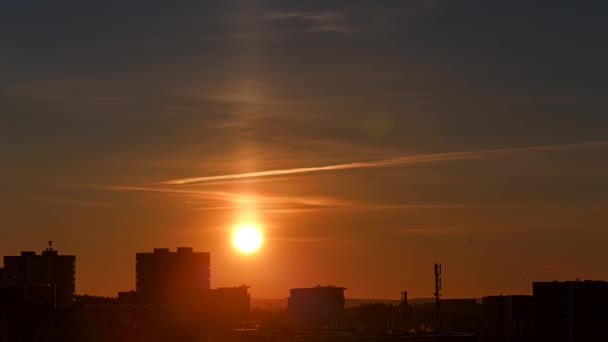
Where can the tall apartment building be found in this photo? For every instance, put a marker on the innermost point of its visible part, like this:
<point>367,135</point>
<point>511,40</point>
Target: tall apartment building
<point>47,280</point>
<point>172,278</point>
<point>570,311</point>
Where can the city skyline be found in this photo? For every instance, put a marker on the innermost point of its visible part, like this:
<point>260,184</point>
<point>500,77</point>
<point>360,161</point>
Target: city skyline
<point>192,275</point>
<point>363,140</point>
<point>173,299</point>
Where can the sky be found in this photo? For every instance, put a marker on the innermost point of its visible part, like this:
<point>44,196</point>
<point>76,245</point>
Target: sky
<point>367,139</point>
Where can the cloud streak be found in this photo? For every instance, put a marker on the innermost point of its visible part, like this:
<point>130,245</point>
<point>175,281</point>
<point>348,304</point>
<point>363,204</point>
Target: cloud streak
<point>239,200</point>
<point>399,161</point>
<point>61,200</point>
<point>312,239</point>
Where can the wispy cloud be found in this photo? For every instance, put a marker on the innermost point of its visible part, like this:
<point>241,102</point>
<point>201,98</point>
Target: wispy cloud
<point>208,201</point>
<point>446,231</point>
<point>404,160</point>
<point>299,207</point>
<point>197,194</point>
<point>61,200</point>
<point>327,21</point>
<point>313,239</point>
<point>240,200</point>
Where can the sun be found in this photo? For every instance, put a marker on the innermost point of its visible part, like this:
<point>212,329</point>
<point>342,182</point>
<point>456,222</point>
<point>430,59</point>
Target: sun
<point>247,238</point>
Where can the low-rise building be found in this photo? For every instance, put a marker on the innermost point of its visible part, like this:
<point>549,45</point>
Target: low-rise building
<point>317,307</point>
<point>507,318</point>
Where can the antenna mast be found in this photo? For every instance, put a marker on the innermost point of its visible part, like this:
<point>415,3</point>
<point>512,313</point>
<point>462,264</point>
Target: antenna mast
<point>437,292</point>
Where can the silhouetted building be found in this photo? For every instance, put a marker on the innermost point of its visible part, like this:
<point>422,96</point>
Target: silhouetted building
<point>95,322</point>
<point>462,315</point>
<point>404,309</point>
<point>571,311</point>
<point>373,318</point>
<point>507,318</point>
<point>172,278</point>
<point>230,305</point>
<point>127,297</point>
<point>46,280</point>
<point>282,335</point>
<point>317,307</point>
<point>34,324</point>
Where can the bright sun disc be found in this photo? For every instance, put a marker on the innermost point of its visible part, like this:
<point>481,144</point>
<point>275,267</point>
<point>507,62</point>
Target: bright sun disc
<point>247,238</point>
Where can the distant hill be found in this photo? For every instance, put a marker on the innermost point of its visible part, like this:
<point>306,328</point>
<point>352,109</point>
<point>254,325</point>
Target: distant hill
<point>263,303</point>
<point>350,302</point>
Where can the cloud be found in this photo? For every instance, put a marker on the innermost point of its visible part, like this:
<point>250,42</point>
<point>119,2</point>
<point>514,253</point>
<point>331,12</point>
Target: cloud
<point>61,200</point>
<point>310,239</point>
<point>327,21</point>
<point>241,200</point>
<point>447,231</point>
<point>405,160</point>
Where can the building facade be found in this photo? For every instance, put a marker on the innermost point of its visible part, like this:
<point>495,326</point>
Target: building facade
<point>507,318</point>
<point>45,280</point>
<point>317,307</point>
<point>172,278</point>
<point>570,311</point>
<point>230,305</point>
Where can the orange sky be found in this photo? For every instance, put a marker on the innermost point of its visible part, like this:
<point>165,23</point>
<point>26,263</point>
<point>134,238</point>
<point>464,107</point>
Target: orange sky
<point>369,140</point>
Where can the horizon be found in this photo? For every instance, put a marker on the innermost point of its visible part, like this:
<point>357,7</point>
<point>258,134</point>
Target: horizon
<point>353,143</point>
<point>375,299</point>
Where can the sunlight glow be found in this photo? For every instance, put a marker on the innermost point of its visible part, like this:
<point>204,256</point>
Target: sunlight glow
<point>247,238</point>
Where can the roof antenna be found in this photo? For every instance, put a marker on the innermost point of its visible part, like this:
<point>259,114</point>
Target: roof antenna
<point>50,249</point>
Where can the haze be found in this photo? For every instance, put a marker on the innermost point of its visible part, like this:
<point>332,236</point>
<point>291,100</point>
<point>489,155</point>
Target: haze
<point>369,139</point>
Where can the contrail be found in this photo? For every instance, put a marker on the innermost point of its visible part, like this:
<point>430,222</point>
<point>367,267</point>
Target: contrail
<point>405,160</point>
<point>241,199</point>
